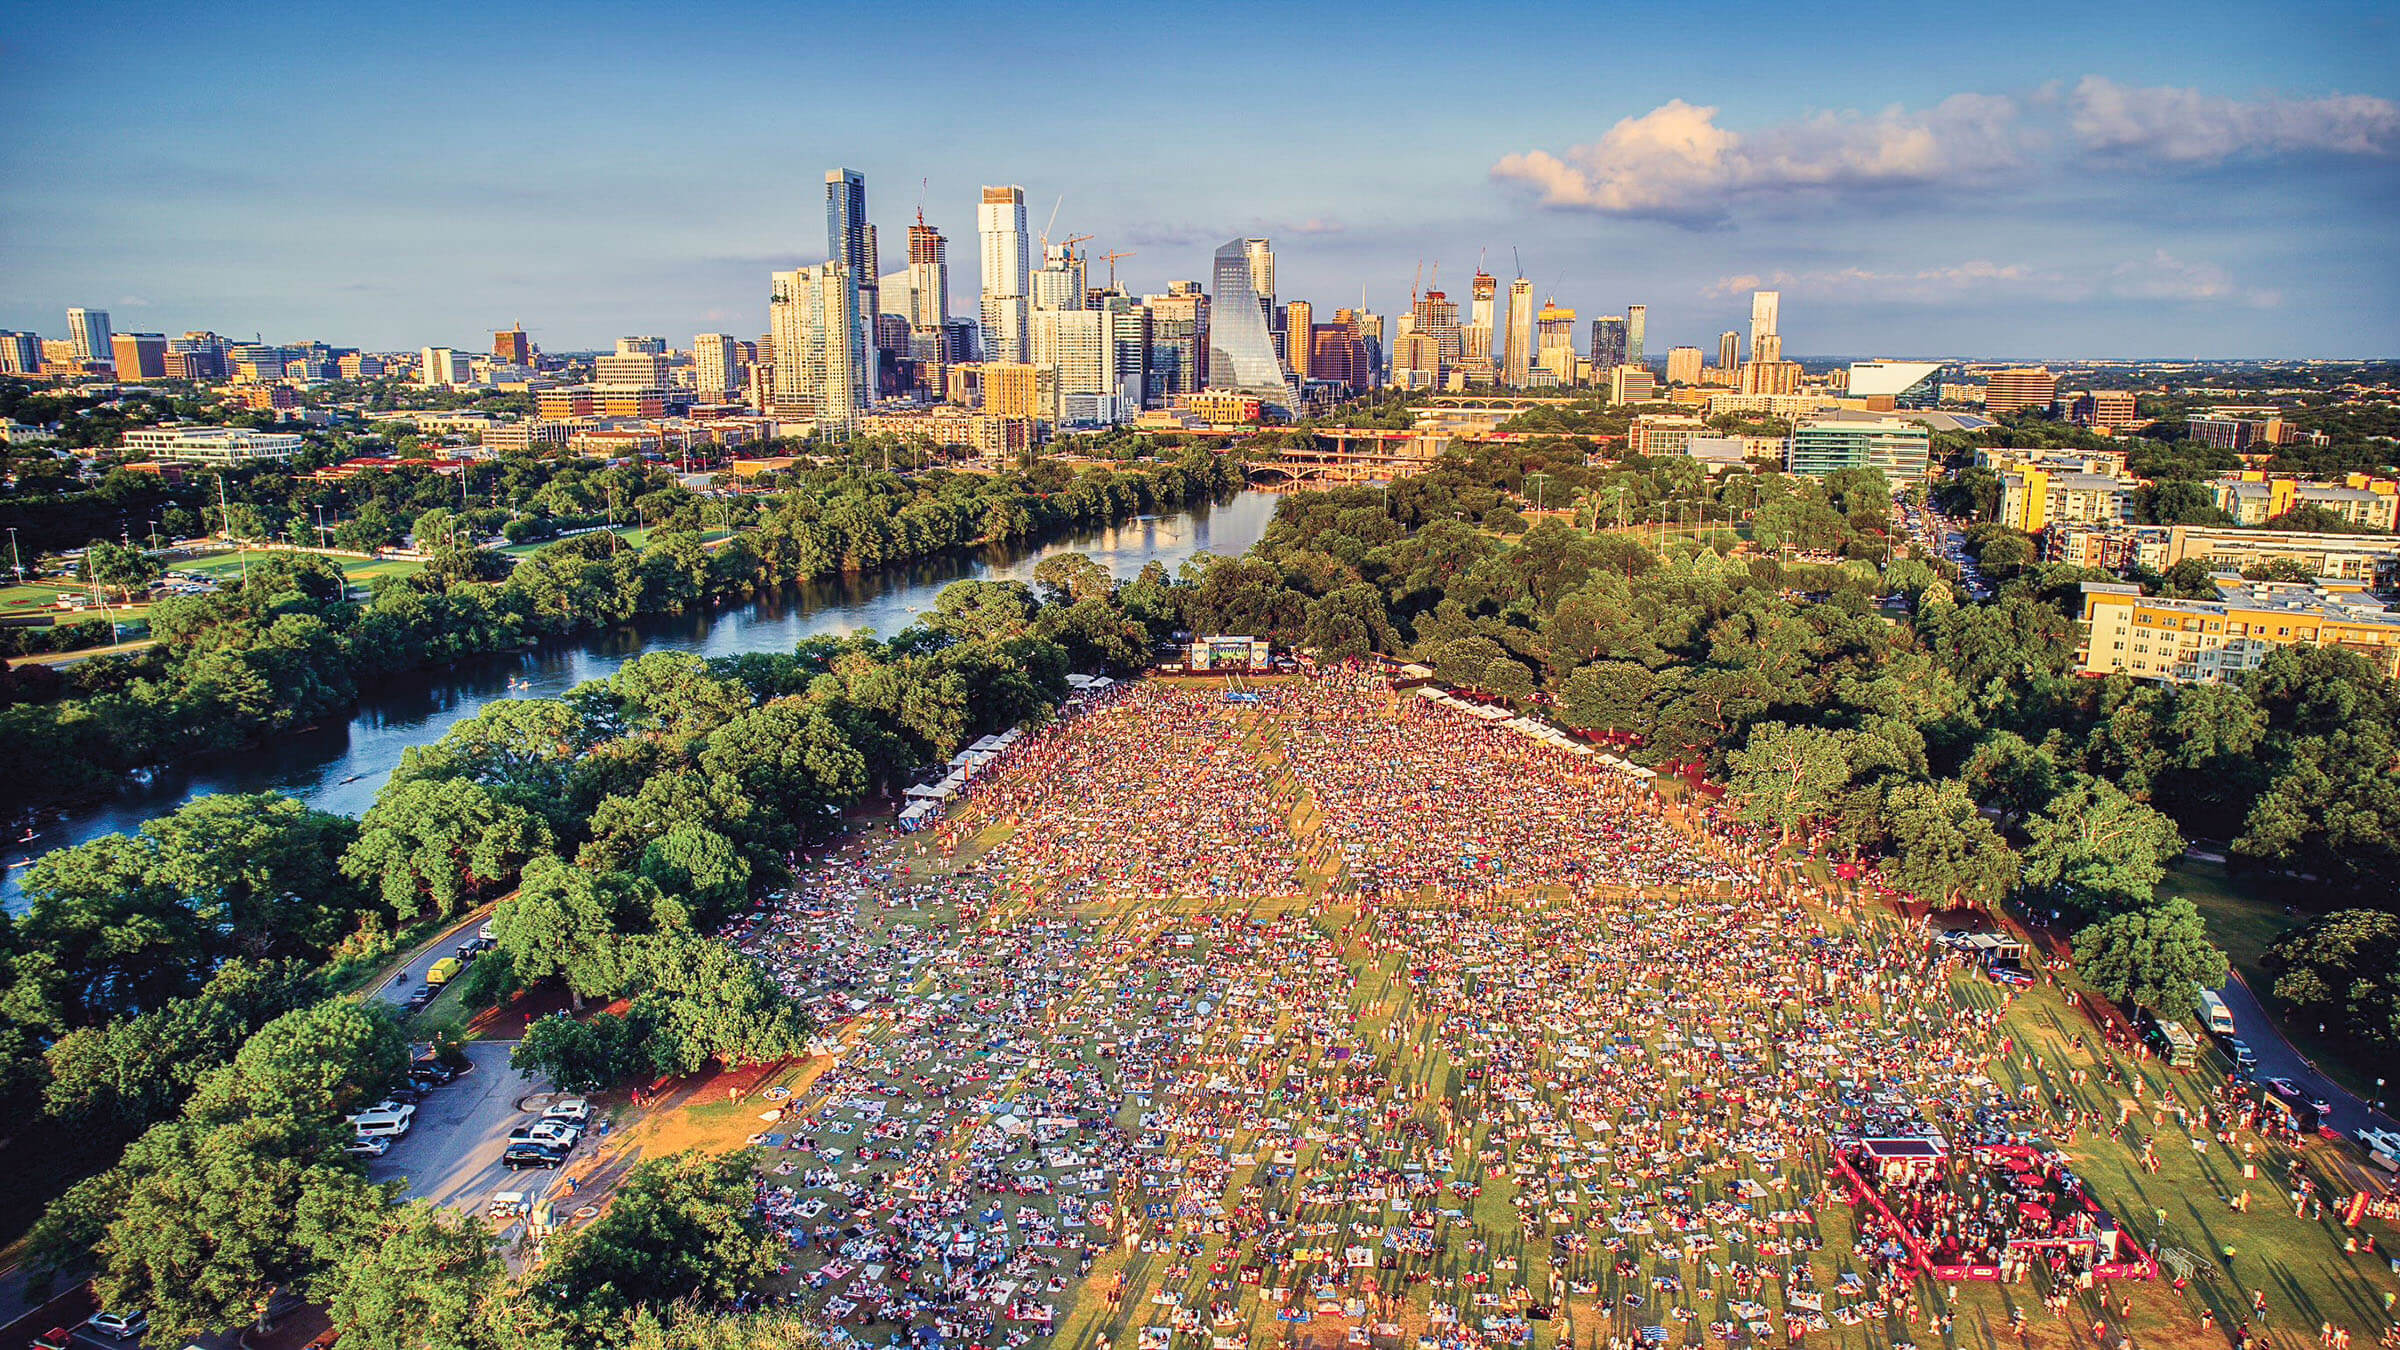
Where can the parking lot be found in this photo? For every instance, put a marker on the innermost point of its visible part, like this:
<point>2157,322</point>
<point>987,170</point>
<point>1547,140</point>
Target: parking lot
<point>451,1153</point>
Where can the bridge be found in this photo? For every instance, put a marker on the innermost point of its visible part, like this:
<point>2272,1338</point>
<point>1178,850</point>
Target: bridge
<point>1370,458</point>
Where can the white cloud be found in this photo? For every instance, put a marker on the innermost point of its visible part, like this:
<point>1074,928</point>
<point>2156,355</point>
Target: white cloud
<point>1925,285</point>
<point>2187,126</point>
<point>1675,162</point>
<point>2163,276</point>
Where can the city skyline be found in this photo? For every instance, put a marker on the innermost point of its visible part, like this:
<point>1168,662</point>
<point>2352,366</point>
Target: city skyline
<point>2211,191</point>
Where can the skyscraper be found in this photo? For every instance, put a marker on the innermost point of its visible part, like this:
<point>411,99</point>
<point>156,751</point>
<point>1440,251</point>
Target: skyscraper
<point>1261,255</point>
<point>1554,349</point>
<point>1477,340</point>
<point>716,367</point>
<point>1178,341</point>
<point>1435,316</point>
<point>1637,323</point>
<point>1683,365</point>
<point>1000,220</point>
<point>1241,350</point>
<point>1519,356</point>
<point>928,277</point>
<point>850,243</point>
<point>1729,349</point>
<point>88,329</point>
<point>815,323</point>
<point>1608,344</point>
<point>1764,307</point>
<point>20,353</point>
<point>1299,329</point>
<point>512,346</point>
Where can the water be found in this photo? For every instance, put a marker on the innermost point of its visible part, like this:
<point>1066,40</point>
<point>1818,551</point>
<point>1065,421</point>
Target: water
<point>340,766</point>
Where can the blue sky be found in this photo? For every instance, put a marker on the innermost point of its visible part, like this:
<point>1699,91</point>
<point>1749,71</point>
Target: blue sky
<point>2089,180</point>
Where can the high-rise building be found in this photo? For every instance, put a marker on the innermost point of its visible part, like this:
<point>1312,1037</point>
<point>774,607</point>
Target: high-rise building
<point>1011,389</point>
<point>813,316</point>
<point>2008,391</point>
<point>88,329</point>
<point>1764,307</point>
<point>1554,341</point>
<point>1631,384</point>
<point>645,345</point>
<point>1000,221</point>
<point>1058,283</point>
<point>1129,339</point>
<point>512,346</point>
<point>850,242</point>
<point>928,277</point>
<point>1476,341</point>
<point>1683,365</point>
<point>1435,315</point>
<point>1608,344</point>
<point>716,367</point>
<point>1178,341</point>
<point>630,370</point>
<point>438,367</point>
<point>1729,350</point>
<point>1518,359</point>
<point>20,353</point>
<point>1241,350</point>
<point>1261,255</point>
<point>2113,409</point>
<point>1299,331</point>
<point>139,356</point>
<point>1637,325</point>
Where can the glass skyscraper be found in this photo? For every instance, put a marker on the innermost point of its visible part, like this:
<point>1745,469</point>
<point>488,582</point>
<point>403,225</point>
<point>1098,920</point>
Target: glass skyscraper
<point>1241,348</point>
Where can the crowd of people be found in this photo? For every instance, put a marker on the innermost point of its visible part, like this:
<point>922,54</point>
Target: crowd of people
<point>1205,1021</point>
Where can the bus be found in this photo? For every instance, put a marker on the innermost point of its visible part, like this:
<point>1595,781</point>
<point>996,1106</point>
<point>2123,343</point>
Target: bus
<point>2214,1014</point>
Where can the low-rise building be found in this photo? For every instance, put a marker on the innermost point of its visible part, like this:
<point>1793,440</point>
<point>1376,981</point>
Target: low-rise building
<point>2373,559</point>
<point>1663,433</point>
<point>2032,499</point>
<point>1824,443</point>
<point>211,445</point>
<point>2210,641</point>
<point>2253,497</point>
<point>2106,409</point>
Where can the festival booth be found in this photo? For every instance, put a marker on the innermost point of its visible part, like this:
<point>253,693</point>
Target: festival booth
<point>2039,1210</point>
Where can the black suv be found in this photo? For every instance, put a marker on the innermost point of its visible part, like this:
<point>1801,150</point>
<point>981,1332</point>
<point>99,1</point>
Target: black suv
<point>532,1155</point>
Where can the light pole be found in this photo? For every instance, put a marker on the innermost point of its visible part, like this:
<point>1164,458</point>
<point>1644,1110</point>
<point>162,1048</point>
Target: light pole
<point>14,556</point>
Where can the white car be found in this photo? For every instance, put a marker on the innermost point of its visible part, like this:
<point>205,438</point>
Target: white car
<point>553,1133</point>
<point>383,1123</point>
<point>121,1326</point>
<point>573,1110</point>
<point>368,1146</point>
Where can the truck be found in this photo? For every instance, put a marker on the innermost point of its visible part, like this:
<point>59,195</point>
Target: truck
<point>442,972</point>
<point>2214,1014</point>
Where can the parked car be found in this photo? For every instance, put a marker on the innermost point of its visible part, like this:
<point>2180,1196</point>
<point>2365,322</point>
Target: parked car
<point>532,1155</point>
<point>548,1133</point>
<point>368,1146</point>
<point>56,1338</point>
<point>2284,1088</point>
<point>122,1326</point>
<point>383,1121</point>
<point>574,1110</point>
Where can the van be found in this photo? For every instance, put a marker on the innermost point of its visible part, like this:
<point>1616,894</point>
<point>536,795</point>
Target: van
<point>388,1123</point>
<point>442,972</point>
<point>2214,1014</point>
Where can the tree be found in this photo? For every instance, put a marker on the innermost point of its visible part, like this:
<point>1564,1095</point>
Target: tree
<point>261,868</point>
<point>710,1002</point>
<point>1067,578</point>
<point>2106,849</point>
<point>680,1227</point>
<point>792,759</point>
<point>435,843</point>
<point>590,1055</point>
<point>1943,846</point>
<point>1607,695</point>
<point>216,1220</point>
<point>2157,957</point>
<point>702,867</point>
<point>120,568</point>
<point>2344,968</point>
<point>563,924</point>
<point>317,1063</point>
<point>422,1277</point>
<point>136,1070</point>
<point>1786,776</point>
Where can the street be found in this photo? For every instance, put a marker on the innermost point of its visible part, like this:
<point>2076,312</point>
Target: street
<point>396,992</point>
<point>2277,1059</point>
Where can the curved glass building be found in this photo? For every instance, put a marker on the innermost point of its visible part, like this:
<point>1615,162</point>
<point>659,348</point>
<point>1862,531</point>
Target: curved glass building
<point>1241,349</point>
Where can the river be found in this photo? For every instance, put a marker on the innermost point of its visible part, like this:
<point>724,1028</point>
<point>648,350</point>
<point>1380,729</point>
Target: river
<point>340,766</point>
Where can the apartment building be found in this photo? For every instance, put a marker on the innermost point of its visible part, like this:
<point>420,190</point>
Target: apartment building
<point>2210,641</point>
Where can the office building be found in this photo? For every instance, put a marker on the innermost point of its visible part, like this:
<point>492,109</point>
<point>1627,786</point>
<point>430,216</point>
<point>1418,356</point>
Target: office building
<point>2106,409</point>
<point>1519,356</point>
<point>2030,388</point>
<point>1178,342</point>
<point>816,329</point>
<point>1766,312</point>
<point>1908,384</point>
<point>928,278</point>
<point>88,329</point>
<point>630,369</point>
<point>1637,325</point>
<point>2224,431</point>
<point>1011,389</point>
<point>1340,355</point>
<point>1631,384</point>
<point>1436,316</point>
<point>1608,343</point>
<point>20,353</point>
<point>1554,341</point>
<point>1475,340</point>
<point>1683,365</point>
<point>1261,256</point>
<point>642,345</point>
<point>1241,352</point>
<point>139,356</point>
<point>1129,338</point>
<point>1000,223</point>
<point>2253,498</point>
<point>2033,499</point>
<point>716,367</point>
<point>438,367</point>
<point>1416,361</point>
<point>1820,444</point>
<point>1663,433</point>
<point>1299,331</point>
<point>1729,352</point>
<point>850,243</point>
<point>2211,641</point>
<point>223,446</point>
<point>512,346</point>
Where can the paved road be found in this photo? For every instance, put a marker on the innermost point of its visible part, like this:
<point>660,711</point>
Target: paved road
<point>396,992</point>
<point>2277,1059</point>
<point>451,1154</point>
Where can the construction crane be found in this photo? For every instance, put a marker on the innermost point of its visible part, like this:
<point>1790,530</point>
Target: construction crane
<point>1112,255</point>
<point>1052,224</point>
<point>1068,245</point>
